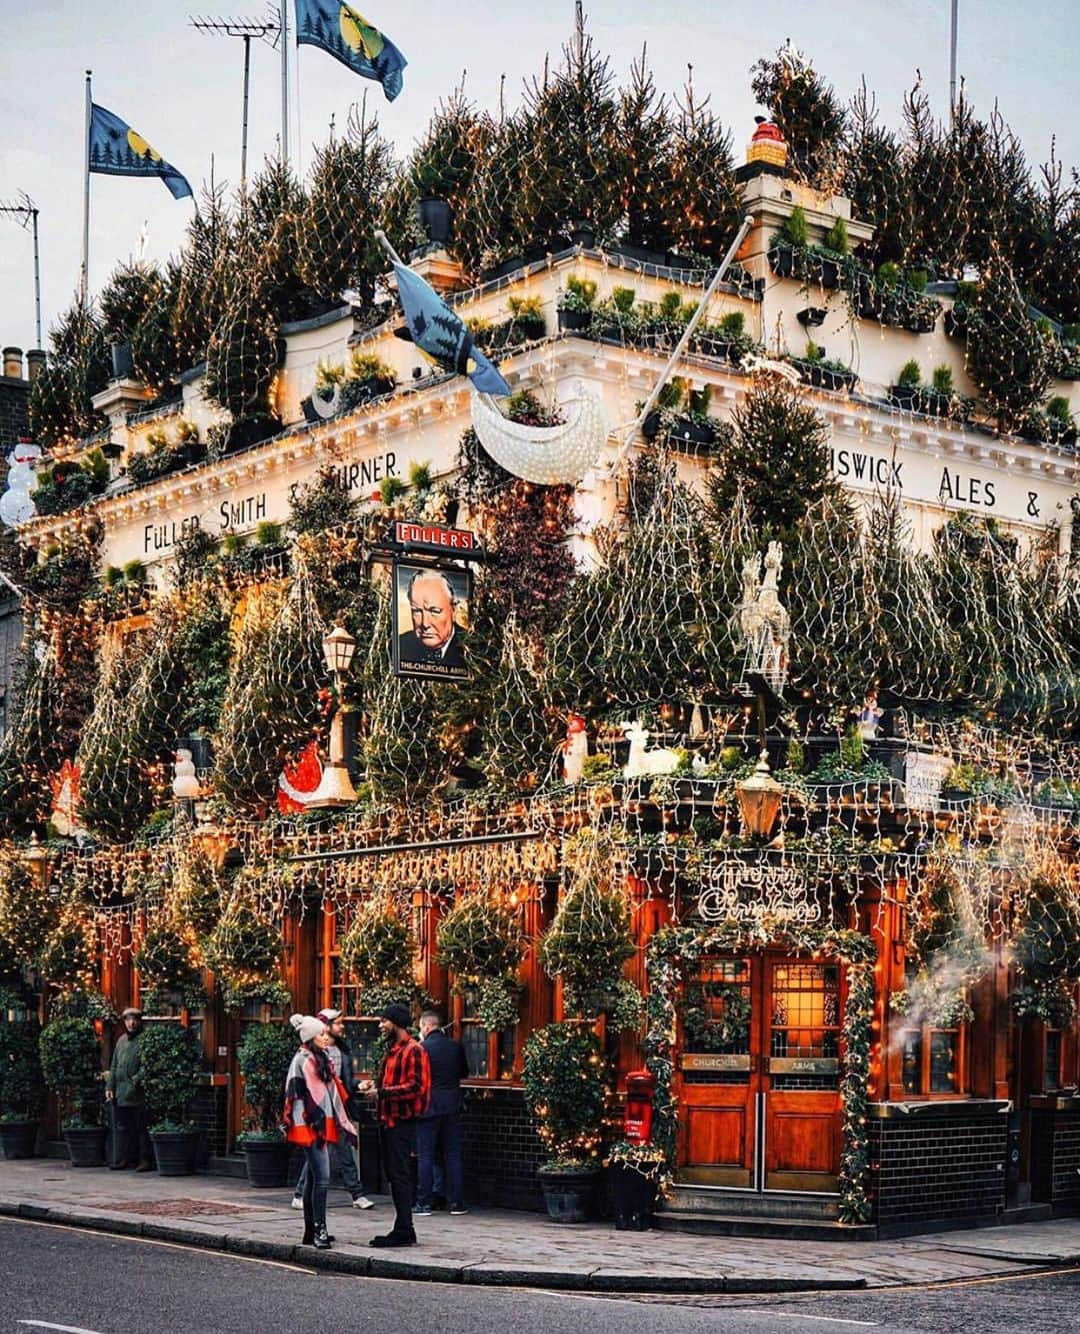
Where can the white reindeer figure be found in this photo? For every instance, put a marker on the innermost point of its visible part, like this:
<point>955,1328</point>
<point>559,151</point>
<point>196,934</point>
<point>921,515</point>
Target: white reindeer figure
<point>643,763</point>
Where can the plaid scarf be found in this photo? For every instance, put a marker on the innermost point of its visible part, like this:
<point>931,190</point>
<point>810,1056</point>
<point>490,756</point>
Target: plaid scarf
<point>314,1109</point>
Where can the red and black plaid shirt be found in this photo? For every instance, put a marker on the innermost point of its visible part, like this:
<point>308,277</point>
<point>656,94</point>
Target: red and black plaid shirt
<point>404,1082</point>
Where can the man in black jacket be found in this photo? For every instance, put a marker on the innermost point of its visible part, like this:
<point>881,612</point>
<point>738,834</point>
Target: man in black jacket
<point>439,1129</point>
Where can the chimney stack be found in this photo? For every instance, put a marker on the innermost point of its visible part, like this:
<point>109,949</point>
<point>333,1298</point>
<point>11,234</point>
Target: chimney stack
<point>35,363</point>
<point>13,363</point>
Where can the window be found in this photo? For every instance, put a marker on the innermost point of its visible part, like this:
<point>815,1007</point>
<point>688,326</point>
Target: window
<point>1052,1079</point>
<point>491,1053</point>
<point>933,1060</point>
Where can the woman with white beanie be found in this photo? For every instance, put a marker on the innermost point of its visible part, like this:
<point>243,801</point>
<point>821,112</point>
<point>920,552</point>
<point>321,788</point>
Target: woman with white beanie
<point>315,1116</point>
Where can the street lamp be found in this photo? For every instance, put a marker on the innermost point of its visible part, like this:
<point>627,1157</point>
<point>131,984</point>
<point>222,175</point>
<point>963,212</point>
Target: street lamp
<point>759,799</point>
<point>335,787</point>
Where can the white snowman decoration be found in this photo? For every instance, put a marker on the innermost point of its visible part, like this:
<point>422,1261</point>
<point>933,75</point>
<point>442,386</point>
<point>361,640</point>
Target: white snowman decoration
<point>15,504</point>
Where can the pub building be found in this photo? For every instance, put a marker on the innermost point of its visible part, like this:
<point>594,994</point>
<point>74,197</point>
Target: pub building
<point>830,967</point>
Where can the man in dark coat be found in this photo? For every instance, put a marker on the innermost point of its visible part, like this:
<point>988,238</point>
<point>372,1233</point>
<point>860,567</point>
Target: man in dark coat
<point>439,1129</point>
<point>123,1088</point>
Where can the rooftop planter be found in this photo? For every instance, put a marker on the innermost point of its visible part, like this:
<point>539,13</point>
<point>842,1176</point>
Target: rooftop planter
<point>894,301</point>
<point>937,399</point>
<point>681,418</point>
<point>824,373</point>
<point>575,304</point>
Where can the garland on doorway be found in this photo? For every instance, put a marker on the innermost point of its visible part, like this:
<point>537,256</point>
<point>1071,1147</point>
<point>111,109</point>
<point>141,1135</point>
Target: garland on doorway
<point>674,948</point>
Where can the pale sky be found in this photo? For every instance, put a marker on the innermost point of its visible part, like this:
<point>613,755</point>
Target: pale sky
<point>182,91</point>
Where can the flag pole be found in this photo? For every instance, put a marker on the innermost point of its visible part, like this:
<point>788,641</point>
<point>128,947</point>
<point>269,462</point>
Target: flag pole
<point>680,347</point>
<point>384,241</point>
<point>284,82</point>
<point>84,280</point>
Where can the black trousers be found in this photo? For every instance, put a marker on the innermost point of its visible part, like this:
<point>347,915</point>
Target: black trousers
<point>132,1141</point>
<point>396,1143</point>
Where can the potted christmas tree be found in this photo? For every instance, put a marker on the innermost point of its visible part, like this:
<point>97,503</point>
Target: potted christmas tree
<point>22,1088</point>
<point>566,1088</point>
<point>71,1065</point>
<point>264,1057</point>
<point>171,1061</point>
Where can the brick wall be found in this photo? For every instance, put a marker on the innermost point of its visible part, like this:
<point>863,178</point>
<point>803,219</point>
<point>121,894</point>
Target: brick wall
<point>14,398</point>
<point>1055,1156</point>
<point>501,1150</point>
<point>941,1167</point>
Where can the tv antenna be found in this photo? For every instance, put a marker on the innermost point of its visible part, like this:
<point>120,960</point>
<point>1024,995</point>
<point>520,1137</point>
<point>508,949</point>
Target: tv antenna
<point>266,30</point>
<point>25,212</point>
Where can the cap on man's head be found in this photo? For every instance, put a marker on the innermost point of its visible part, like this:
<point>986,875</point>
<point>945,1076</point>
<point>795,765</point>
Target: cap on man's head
<point>131,1013</point>
<point>398,1015</point>
<point>328,1016</point>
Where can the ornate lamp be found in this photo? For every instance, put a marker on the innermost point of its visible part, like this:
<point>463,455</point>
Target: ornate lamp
<point>335,787</point>
<point>759,799</point>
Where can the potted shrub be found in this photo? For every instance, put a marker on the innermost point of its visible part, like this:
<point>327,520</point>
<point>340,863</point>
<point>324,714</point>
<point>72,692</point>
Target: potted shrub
<point>264,1057</point>
<point>527,318</point>
<point>71,1066</point>
<point>22,1087</point>
<point>790,239</point>
<point>369,377</point>
<point>682,416</point>
<point>905,392</point>
<point>187,436</point>
<point>822,372</point>
<point>726,341</point>
<point>171,1062</point>
<point>575,304</point>
<point>566,1086</point>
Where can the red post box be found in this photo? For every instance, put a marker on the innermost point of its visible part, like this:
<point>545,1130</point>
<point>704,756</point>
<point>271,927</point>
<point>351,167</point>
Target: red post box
<point>637,1124</point>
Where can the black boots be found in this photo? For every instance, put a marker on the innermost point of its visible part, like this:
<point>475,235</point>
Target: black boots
<point>322,1239</point>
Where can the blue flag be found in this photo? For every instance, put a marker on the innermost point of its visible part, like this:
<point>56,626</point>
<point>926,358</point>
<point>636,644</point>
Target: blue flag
<point>442,335</point>
<point>117,150</point>
<point>346,35</point>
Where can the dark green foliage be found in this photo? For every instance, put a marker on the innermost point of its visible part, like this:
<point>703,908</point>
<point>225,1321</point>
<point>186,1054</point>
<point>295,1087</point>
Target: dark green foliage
<point>705,204</point>
<point>1008,357</point>
<point>572,120</point>
<point>22,1085</point>
<point>135,309</point>
<point>480,937</point>
<point>491,223</point>
<point>321,504</point>
<point>71,1067</point>
<point>590,939</point>
<point>203,647</point>
<point>263,1057</point>
<point>566,1084</point>
<point>876,179</point>
<point>1046,946</point>
<point>806,111</point>
<point>171,1063</point>
<point>448,159</point>
<point>778,460</point>
<point>79,367</point>
<point>349,179</point>
<point>273,214</point>
<point>378,946</point>
<point>205,278</point>
<point>645,162</point>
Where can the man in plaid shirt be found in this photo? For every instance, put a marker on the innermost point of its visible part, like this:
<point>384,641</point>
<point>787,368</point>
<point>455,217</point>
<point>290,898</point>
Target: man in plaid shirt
<point>403,1088</point>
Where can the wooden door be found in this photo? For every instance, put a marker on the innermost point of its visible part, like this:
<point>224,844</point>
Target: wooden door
<point>801,1081</point>
<point>718,1073</point>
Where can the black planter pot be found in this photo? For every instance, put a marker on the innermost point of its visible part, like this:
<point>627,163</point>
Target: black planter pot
<point>633,1198</point>
<point>435,218</point>
<point>569,1196</point>
<point>955,325</point>
<point>174,1151</point>
<point>904,396</point>
<point>504,268</point>
<point>123,364</point>
<point>575,321</point>
<point>267,1162</point>
<point>640,254</point>
<point>18,1138</point>
<point>720,348</point>
<point>650,427</point>
<point>686,431</point>
<point>583,234</point>
<point>86,1145</point>
<point>826,272</point>
<point>782,260</point>
<point>252,431</point>
<point>811,316</point>
<point>194,452</point>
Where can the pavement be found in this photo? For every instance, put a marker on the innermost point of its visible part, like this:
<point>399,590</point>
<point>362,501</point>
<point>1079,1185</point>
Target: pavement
<point>501,1248</point>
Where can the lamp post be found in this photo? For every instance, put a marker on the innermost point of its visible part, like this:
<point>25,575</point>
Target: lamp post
<point>759,799</point>
<point>335,787</point>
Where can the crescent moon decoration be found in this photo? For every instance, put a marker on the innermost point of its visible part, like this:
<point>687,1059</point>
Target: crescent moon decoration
<point>326,407</point>
<point>545,455</point>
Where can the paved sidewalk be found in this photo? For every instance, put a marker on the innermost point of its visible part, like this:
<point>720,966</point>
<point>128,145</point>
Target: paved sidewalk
<point>499,1247</point>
